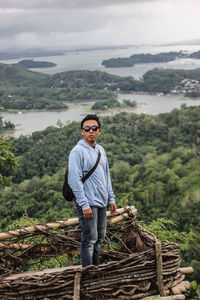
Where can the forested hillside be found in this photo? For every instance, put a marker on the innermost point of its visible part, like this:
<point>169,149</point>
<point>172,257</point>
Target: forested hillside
<point>22,89</point>
<point>155,165</point>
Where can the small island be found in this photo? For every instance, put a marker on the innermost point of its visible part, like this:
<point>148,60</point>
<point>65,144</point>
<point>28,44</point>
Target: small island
<point>30,64</point>
<point>113,104</point>
<point>147,58</point>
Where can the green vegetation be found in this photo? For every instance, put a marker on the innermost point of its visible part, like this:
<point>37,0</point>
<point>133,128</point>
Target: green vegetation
<point>23,89</point>
<point>7,161</point>
<point>30,64</point>
<point>158,80</point>
<point>5,125</point>
<point>106,104</point>
<point>155,165</point>
<point>142,58</point>
<point>112,103</point>
<point>147,58</point>
<point>195,55</point>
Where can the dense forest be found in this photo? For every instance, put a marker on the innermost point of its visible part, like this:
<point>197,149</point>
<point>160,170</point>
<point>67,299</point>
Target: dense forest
<point>23,89</point>
<point>154,165</point>
<point>147,58</point>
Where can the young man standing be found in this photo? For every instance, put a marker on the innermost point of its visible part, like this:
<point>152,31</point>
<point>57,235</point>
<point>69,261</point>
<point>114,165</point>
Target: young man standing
<point>92,195</point>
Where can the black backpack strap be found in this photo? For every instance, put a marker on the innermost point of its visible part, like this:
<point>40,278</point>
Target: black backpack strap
<point>93,168</point>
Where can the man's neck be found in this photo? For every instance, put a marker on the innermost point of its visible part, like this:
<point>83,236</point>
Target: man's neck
<point>92,144</point>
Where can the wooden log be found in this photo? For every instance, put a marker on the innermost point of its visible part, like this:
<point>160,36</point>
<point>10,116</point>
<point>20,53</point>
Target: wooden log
<point>122,210</point>
<point>176,290</point>
<point>54,225</point>
<point>181,287</point>
<point>77,286</point>
<point>186,284</point>
<point>121,217</point>
<point>186,270</point>
<point>159,269</point>
<point>15,246</point>
<point>70,259</point>
<point>173,297</point>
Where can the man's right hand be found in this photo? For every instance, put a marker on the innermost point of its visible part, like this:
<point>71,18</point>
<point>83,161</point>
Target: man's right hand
<point>87,213</point>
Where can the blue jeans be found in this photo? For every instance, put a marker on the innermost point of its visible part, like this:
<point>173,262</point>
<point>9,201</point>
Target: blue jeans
<point>93,233</point>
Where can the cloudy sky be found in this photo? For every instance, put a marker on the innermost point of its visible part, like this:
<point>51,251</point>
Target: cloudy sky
<point>74,23</point>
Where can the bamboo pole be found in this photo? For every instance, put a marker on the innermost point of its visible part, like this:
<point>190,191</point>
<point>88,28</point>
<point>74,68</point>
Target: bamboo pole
<point>54,225</point>
<point>46,248</point>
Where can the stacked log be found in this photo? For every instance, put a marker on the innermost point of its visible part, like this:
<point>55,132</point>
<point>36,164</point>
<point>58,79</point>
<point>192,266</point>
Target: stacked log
<point>133,277</point>
<point>141,267</point>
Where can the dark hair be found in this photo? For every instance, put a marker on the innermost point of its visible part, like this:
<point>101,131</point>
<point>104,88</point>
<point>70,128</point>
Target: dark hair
<point>91,117</point>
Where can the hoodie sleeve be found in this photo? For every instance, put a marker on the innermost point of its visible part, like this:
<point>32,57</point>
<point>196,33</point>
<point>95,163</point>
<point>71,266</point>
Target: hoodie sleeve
<point>111,196</point>
<point>74,179</point>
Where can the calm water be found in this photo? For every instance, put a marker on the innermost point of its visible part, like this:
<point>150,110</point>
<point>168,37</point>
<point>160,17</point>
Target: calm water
<point>28,122</point>
<point>91,60</point>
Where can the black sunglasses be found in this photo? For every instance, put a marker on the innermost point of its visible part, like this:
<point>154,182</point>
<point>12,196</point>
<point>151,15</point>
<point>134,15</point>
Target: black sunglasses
<point>87,128</point>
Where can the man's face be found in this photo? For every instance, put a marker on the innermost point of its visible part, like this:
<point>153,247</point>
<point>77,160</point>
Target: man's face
<point>91,135</point>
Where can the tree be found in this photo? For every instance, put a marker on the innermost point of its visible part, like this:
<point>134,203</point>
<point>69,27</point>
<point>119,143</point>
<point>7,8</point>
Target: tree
<point>7,160</point>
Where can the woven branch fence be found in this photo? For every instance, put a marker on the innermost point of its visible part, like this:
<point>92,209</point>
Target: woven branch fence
<point>139,266</point>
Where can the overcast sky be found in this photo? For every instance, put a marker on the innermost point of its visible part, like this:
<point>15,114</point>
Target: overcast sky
<point>74,23</point>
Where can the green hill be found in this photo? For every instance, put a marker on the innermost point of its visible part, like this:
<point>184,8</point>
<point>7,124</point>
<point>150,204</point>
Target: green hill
<point>11,75</point>
<point>154,165</point>
<point>23,89</point>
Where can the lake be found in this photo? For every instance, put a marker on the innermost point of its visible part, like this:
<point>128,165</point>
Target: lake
<point>28,122</point>
<point>92,59</point>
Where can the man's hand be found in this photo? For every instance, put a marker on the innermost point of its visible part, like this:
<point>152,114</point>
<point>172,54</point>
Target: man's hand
<point>113,209</point>
<point>87,213</point>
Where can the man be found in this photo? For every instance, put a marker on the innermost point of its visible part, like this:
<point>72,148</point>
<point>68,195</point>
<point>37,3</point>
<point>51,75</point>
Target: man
<point>92,195</point>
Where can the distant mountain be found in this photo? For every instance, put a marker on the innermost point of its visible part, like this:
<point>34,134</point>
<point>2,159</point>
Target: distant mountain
<point>187,42</point>
<point>14,53</point>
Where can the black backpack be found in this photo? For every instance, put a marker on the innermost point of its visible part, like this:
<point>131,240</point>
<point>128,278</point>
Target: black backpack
<point>67,191</point>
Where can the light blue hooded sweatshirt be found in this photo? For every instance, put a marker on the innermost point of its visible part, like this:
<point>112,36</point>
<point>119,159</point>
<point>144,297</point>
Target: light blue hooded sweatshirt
<point>97,189</point>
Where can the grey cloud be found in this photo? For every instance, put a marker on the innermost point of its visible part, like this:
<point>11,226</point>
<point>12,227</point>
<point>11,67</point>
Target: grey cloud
<point>65,4</point>
<point>46,21</point>
<point>104,21</point>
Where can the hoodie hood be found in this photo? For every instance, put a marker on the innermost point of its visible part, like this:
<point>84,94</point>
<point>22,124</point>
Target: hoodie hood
<point>84,144</point>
